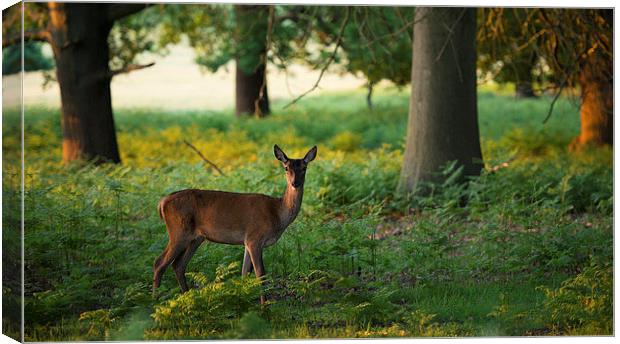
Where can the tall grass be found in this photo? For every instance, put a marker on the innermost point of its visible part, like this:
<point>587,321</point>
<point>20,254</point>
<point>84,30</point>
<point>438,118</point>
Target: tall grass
<point>358,261</point>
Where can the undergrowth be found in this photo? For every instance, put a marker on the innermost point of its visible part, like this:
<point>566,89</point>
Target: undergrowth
<point>529,254</point>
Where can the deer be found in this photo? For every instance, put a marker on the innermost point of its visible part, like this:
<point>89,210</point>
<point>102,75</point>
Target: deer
<point>253,220</point>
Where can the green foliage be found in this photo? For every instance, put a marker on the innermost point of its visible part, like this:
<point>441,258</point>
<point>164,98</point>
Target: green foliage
<point>503,51</point>
<point>208,310</point>
<point>557,38</point>
<point>250,326</point>
<point>374,41</point>
<point>583,304</point>
<point>129,37</point>
<point>377,309</point>
<point>98,323</point>
<point>209,29</point>
<point>346,141</point>
<point>34,59</point>
<point>134,35</point>
<point>11,316</point>
<point>422,324</point>
<point>357,262</point>
<point>378,43</point>
<point>222,33</point>
<point>34,18</point>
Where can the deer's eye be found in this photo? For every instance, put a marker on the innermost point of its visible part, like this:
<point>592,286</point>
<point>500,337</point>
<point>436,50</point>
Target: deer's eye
<point>286,169</point>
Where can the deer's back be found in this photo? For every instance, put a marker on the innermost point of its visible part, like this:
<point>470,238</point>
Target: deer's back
<point>224,217</point>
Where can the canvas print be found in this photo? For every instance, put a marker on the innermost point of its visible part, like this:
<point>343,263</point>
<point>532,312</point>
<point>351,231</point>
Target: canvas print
<point>218,171</point>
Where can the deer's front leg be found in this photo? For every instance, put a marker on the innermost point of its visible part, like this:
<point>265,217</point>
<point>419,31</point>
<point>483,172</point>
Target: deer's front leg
<point>247,263</point>
<point>256,254</point>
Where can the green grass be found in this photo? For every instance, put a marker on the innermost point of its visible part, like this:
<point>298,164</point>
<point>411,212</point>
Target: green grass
<point>533,244</point>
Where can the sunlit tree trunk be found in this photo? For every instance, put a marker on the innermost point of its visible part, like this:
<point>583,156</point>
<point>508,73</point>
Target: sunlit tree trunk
<point>596,107</point>
<point>443,122</point>
<point>78,34</point>
<point>79,41</point>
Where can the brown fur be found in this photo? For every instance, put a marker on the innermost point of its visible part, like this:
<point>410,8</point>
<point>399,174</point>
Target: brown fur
<point>254,220</point>
<point>218,216</point>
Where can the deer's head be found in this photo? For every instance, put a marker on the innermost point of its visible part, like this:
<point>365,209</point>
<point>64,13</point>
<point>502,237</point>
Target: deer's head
<point>295,168</point>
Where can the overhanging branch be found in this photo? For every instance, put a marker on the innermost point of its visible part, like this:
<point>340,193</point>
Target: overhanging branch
<point>329,61</point>
<point>129,68</point>
<point>97,77</point>
<point>40,36</point>
<point>119,11</point>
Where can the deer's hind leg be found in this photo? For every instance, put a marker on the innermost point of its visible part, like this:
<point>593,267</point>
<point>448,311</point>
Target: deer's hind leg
<point>180,264</point>
<point>172,251</point>
<point>247,263</point>
<point>157,270</point>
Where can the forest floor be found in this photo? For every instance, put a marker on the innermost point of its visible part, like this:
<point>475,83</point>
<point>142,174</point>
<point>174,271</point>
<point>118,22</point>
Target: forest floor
<point>530,254</point>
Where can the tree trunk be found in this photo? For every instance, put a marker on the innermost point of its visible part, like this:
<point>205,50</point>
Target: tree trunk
<point>247,92</point>
<point>251,35</point>
<point>596,107</point>
<point>523,76</point>
<point>369,88</point>
<point>524,90</point>
<point>443,119</point>
<point>79,41</point>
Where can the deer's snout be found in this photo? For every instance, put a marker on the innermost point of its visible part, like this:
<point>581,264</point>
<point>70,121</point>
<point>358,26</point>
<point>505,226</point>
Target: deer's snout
<point>298,180</point>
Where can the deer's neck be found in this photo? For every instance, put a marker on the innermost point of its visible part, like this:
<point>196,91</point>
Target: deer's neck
<point>291,204</point>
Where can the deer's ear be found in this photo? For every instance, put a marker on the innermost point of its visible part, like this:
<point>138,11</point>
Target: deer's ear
<point>280,154</point>
<point>310,155</point>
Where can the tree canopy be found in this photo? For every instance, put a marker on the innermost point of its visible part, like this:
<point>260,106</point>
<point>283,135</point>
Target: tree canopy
<point>34,58</point>
<point>576,45</point>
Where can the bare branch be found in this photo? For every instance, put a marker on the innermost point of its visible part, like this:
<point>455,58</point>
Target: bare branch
<point>402,19</point>
<point>308,29</point>
<point>407,27</point>
<point>97,77</point>
<point>562,85</point>
<point>118,11</point>
<point>455,54</point>
<point>450,33</point>
<point>329,61</point>
<point>129,68</point>
<point>555,99</point>
<point>40,36</point>
<point>203,157</point>
<point>532,39</point>
<point>360,31</point>
<point>502,165</point>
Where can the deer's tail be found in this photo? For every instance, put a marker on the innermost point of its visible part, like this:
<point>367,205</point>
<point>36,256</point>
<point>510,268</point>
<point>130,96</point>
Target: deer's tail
<point>160,208</point>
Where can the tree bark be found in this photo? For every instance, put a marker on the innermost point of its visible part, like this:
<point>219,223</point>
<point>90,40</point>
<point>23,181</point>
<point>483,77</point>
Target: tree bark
<point>250,36</point>
<point>443,119</point>
<point>247,92</point>
<point>369,88</point>
<point>523,76</point>
<point>524,90</point>
<point>79,42</point>
<point>596,107</point>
